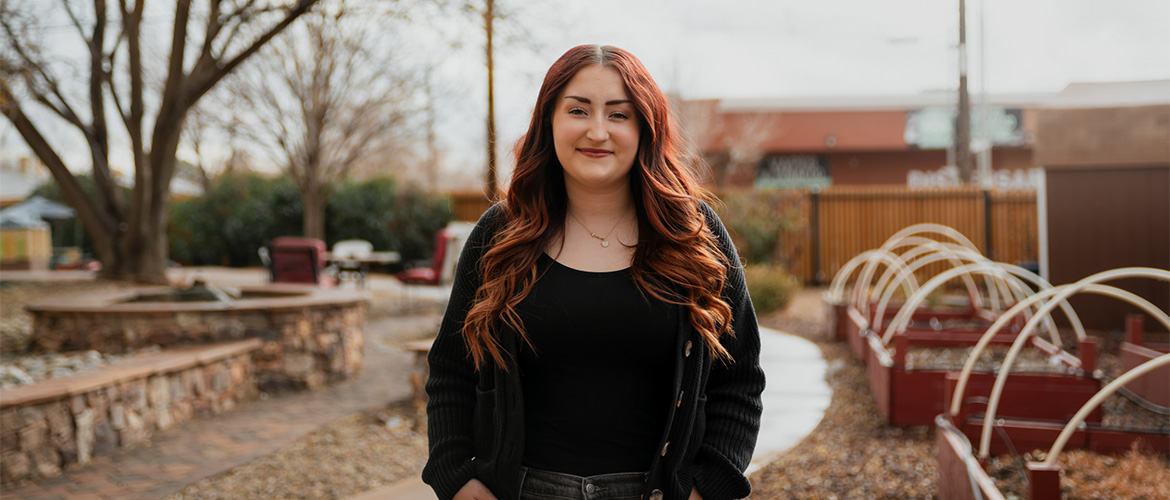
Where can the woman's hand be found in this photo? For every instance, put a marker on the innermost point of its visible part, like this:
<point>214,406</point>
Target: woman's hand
<point>475,490</point>
<point>695,494</point>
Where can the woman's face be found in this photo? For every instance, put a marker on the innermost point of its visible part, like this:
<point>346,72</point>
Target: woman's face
<point>595,129</point>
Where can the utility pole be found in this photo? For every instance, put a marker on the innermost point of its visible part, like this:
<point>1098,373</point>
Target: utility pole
<point>488,18</point>
<point>432,155</point>
<point>963,127</point>
<point>983,161</point>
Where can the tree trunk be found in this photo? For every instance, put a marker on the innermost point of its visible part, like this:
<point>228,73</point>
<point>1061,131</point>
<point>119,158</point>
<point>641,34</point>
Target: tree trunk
<point>138,256</point>
<point>314,216</point>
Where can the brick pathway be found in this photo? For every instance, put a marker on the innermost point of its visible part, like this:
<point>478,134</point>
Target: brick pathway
<point>205,447</point>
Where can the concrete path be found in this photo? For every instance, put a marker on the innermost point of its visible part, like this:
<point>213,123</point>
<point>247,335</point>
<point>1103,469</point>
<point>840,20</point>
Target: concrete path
<point>795,399</point>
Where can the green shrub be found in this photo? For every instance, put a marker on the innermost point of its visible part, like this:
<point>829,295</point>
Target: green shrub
<point>232,220</point>
<point>244,211</point>
<point>770,286</point>
<point>755,222</point>
<point>392,217</point>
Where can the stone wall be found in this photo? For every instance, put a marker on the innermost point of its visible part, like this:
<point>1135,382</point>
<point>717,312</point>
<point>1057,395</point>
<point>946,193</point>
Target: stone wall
<point>309,341</point>
<point>52,425</point>
<point>307,349</point>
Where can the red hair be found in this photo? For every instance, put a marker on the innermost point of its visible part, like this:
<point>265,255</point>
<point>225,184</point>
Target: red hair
<point>676,258</point>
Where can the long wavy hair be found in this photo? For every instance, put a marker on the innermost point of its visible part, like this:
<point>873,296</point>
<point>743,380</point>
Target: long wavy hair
<point>676,259</point>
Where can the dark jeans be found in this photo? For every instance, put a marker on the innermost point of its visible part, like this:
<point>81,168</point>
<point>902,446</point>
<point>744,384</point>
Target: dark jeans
<point>538,484</point>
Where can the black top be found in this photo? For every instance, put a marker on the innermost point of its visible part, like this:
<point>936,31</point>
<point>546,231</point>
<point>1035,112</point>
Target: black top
<point>475,418</point>
<point>597,389</point>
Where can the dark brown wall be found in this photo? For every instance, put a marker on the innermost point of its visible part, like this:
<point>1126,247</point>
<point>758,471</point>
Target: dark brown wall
<point>1103,136</point>
<point>892,167</point>
<point>882,167</point>
<point>1102,218</point>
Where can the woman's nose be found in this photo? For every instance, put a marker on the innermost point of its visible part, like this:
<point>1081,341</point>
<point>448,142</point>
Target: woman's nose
<point>597,130</point>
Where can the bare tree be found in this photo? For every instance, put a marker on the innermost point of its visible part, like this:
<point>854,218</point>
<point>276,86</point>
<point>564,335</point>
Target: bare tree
<point>194,134</point>
<point>746,145</point>
<point>129,235</point>
<point>322,101</point>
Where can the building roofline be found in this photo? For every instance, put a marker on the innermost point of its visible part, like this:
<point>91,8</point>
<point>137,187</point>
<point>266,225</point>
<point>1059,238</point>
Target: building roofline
<point>874,102</point>
<point>1075,95</point>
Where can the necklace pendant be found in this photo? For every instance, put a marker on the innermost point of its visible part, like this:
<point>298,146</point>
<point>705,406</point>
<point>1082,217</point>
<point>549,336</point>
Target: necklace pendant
<point>604,243</point>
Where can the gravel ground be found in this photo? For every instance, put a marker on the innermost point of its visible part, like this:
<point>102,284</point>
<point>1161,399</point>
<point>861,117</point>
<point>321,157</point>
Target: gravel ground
<point>851,454</point>
<point>348,456</point>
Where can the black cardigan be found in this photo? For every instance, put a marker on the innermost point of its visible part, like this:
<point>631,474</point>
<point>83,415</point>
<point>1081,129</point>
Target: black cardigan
<point>475,419</point>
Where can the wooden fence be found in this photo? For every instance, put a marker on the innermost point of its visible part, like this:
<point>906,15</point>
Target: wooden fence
<point>467,206</point>
<point>832,226</point>
<point>847,221</point>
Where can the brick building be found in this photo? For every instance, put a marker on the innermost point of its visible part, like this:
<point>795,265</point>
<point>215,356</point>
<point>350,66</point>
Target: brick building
<point>891,140</point>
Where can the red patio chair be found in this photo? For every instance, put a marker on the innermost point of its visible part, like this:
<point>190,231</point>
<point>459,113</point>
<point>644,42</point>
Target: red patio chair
<point>434,274</point>
<point>299,260</point>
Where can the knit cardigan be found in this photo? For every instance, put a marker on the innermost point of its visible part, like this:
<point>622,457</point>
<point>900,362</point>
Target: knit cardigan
<point>475,419</point>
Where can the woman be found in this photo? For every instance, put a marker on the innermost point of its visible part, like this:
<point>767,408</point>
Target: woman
<point>599,342</point>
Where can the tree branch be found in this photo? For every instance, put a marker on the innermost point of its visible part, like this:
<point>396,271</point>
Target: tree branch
<point>74,19</point>
<point>208,76</point>
<point>99,224</point>
<point>212,31</point>
<point>62,108</point>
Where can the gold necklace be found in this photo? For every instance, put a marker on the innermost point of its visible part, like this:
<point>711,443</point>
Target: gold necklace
<point>604,239</point>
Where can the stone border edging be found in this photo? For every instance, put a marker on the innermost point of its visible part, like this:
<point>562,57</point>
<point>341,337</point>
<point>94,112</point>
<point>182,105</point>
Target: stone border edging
<point>50,425</point>
<point>144,365</point>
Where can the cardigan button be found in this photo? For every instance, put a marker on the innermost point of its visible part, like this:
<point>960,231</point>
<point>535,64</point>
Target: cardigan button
<point>656,494</point>
<point>664,448</point>
<point>680,396</point>
<point>687,350</point>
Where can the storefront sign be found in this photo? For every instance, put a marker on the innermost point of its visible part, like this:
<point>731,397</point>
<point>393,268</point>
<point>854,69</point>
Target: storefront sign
<point>948,176</point>
<point>934,128</point>
<point>793,172</point>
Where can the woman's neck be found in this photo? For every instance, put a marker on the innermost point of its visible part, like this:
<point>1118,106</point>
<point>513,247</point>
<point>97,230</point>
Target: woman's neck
<point>600,205</point>
<point>600,230</point>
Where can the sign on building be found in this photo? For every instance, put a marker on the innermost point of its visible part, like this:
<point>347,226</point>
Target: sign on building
<point>934,127</point>
<point>793,172</point>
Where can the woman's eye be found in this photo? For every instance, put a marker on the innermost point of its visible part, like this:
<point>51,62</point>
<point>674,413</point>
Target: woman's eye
<point>577,111</point>
<point>620,116</point>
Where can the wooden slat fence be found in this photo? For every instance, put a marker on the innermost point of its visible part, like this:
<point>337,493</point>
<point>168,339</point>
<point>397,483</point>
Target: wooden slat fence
<point>1015,227</point>
<point>467,206</point>
<point>851,220</point>
<point>832,226</point>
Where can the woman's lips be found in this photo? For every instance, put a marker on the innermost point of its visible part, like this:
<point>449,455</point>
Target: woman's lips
<point>595,153</point>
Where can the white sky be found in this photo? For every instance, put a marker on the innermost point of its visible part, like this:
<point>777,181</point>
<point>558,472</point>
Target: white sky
<point>783,48</point>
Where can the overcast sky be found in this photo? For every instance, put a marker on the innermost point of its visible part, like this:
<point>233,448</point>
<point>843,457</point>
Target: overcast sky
<point>784,48</point>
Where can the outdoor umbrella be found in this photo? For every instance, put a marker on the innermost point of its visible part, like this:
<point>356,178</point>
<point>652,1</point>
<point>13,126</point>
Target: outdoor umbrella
<point>21,220</point>
<point>38,206</point>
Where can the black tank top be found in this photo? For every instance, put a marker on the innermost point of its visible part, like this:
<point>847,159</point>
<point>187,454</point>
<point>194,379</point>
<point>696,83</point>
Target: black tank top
<point>597,388</point>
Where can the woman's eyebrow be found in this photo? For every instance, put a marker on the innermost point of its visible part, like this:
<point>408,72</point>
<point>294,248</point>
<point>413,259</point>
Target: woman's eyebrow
<point>607,103</point>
